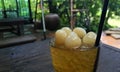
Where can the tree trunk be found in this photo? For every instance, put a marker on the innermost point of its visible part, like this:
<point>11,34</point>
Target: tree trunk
<point>52,8</point>
<point>50,5</point>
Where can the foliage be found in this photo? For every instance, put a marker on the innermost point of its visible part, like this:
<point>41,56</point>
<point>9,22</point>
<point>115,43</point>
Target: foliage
<point>113,11</point>
<point>88,18</point>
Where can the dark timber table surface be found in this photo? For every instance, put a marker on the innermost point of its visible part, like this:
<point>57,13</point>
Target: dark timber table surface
<point>5,21</point>
<point>36,57</point>
<point>31,57</point>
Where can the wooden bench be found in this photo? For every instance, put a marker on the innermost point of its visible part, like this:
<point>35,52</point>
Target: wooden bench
<point>17,40</point>
<point>7,24</point>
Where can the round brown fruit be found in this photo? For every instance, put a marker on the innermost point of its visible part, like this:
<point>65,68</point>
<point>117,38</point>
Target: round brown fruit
<point>67,30</point>
<point>89,39</point>
<point>72,41</point>
<point>80,32</point>
<point>60,36</point>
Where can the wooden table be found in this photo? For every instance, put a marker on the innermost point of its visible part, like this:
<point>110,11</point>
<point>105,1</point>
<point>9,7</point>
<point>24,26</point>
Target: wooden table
<point>13,22</point>
<point>109,40</point>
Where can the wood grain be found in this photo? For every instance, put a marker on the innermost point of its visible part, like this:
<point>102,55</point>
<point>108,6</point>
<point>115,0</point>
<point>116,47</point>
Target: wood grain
<point>31,57</point>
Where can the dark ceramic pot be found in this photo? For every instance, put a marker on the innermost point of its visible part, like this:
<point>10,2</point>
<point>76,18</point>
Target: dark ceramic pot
<point>52,21</point>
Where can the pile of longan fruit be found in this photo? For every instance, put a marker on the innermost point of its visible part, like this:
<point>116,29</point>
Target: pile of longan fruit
<point>73,39</point>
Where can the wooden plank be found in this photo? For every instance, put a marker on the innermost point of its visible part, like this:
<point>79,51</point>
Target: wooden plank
<point>32,57</point>
<point>112,32</point>
<point>17,40</point>
<point>117,36</point>
<point>5,60</point>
